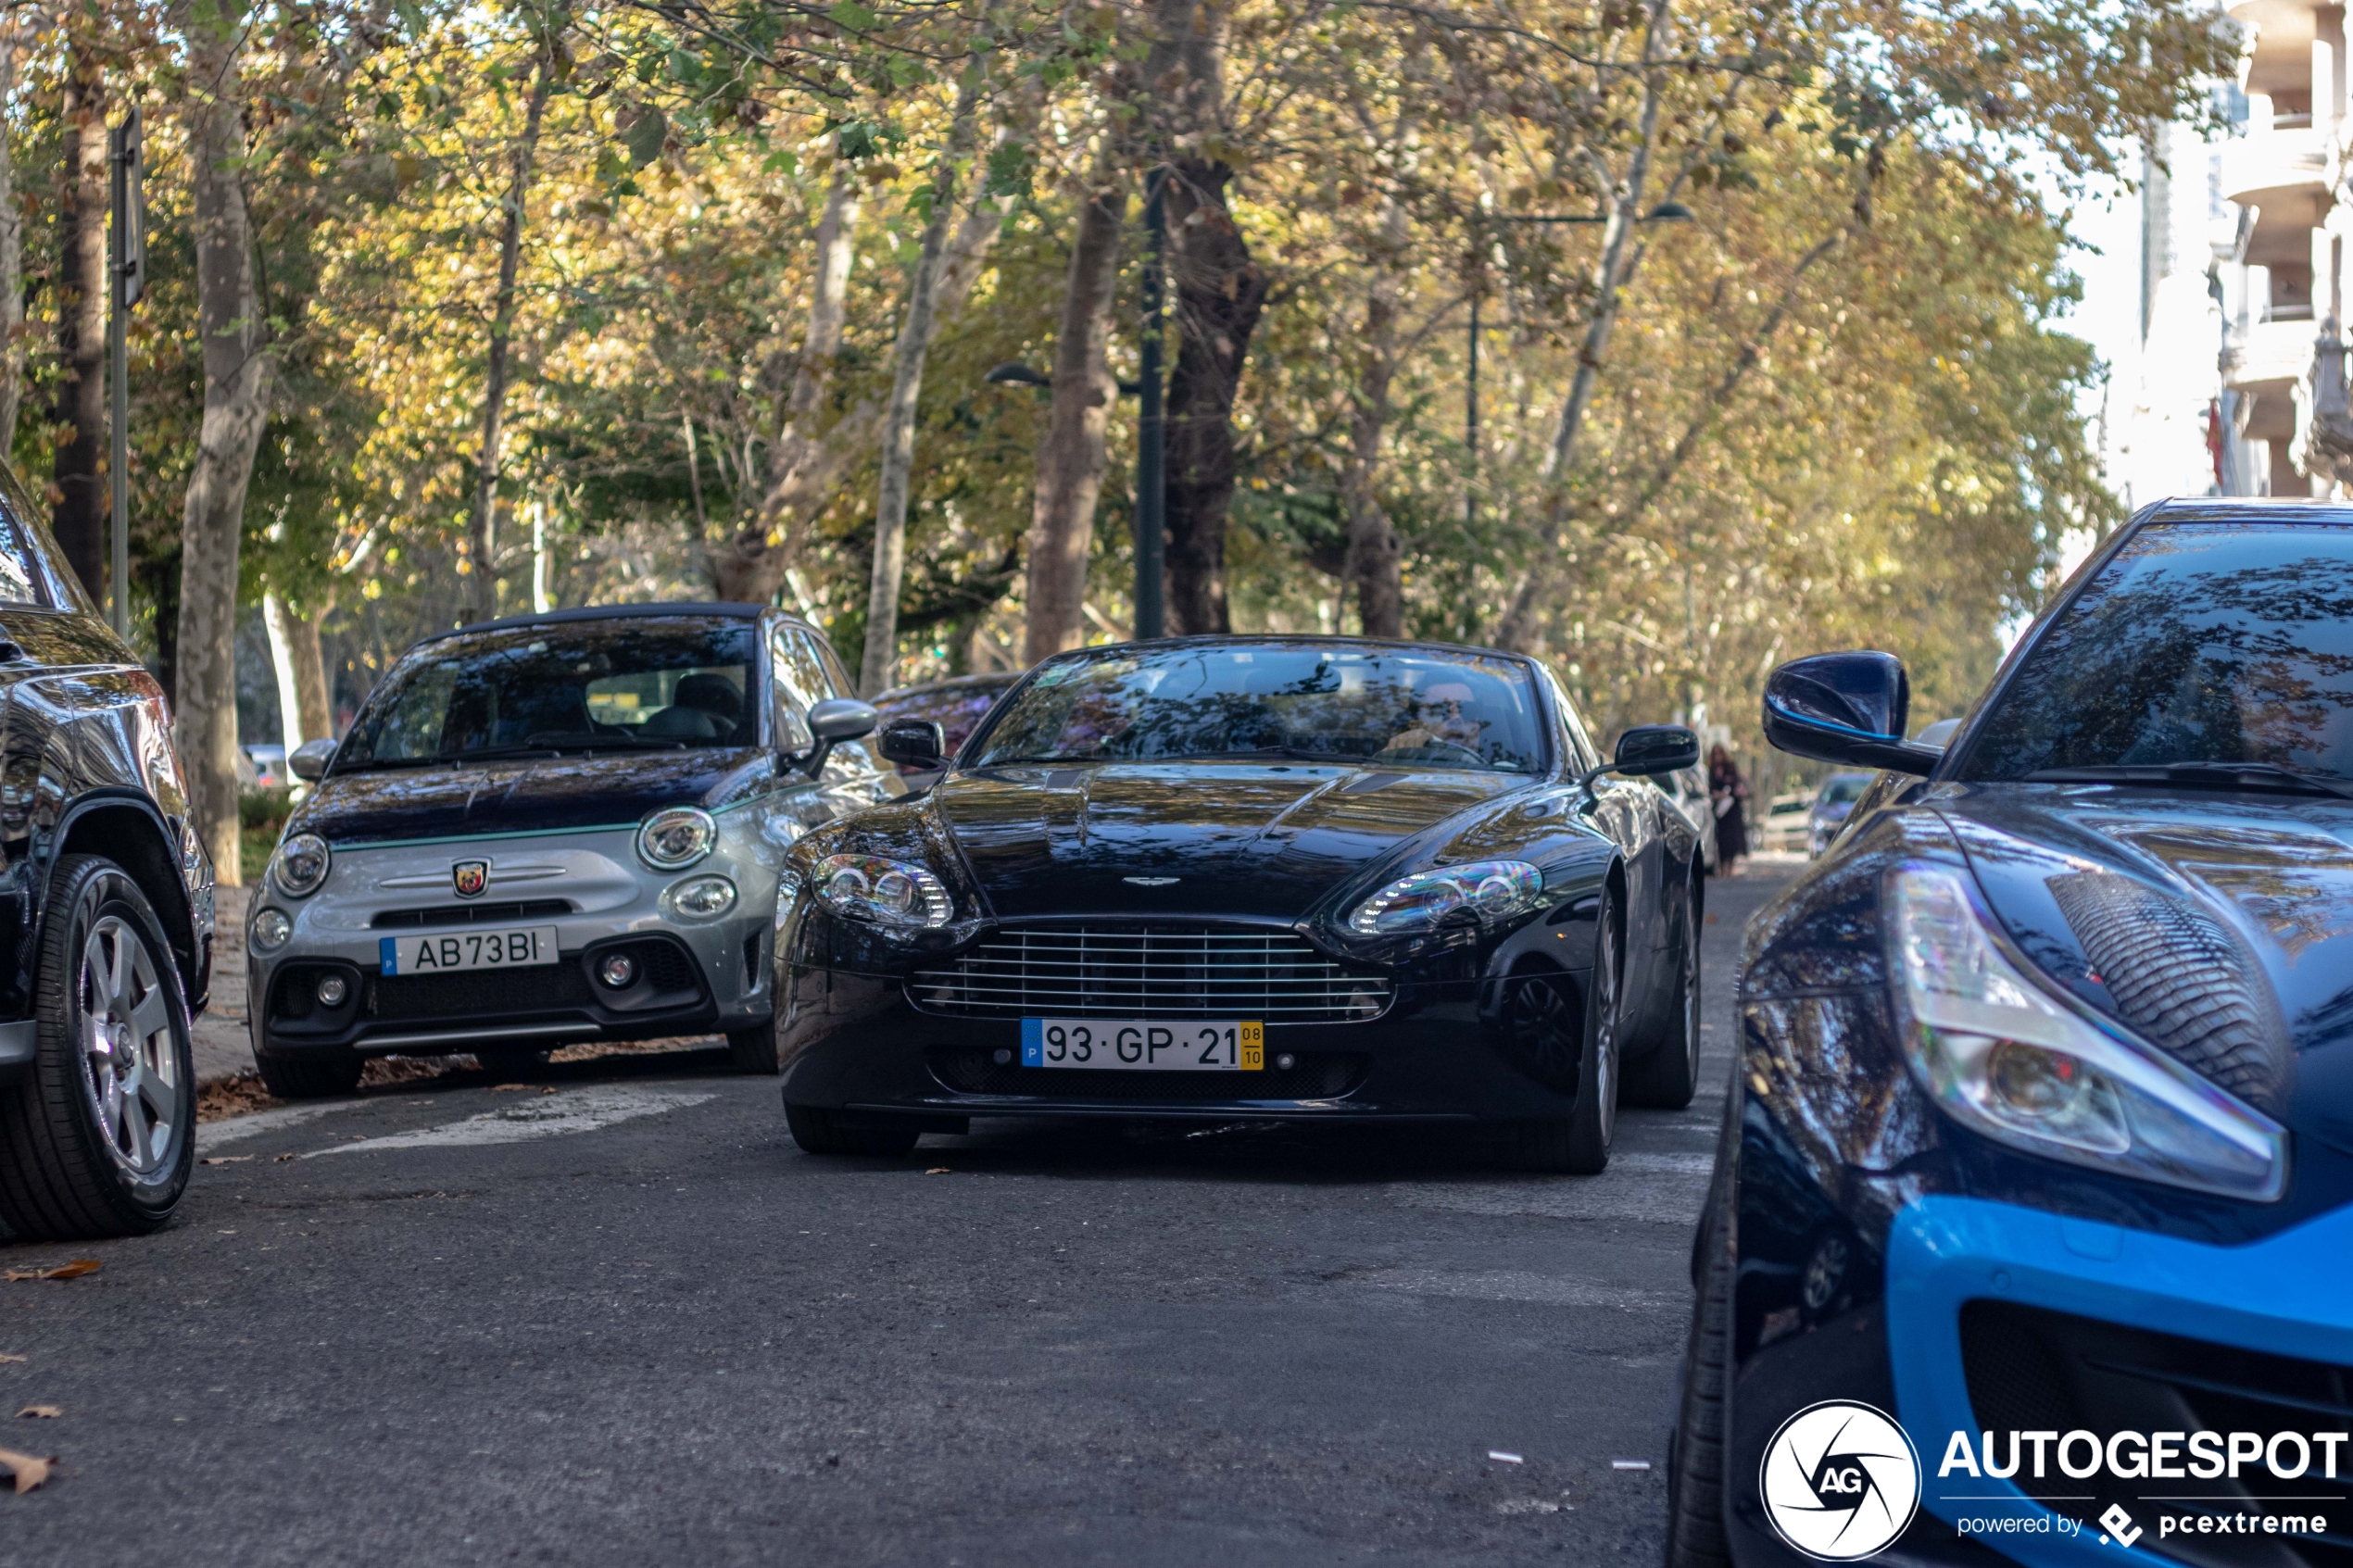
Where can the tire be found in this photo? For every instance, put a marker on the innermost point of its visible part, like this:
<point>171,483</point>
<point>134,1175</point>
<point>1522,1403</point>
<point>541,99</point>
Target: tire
<point>1578,1144</point>
<point>1695,1464</point>
<point>1666,1075</point>
<point>825,1132</point>
<point>90,1146</point>
<point>310,1077</point>
<point>754,1051</point>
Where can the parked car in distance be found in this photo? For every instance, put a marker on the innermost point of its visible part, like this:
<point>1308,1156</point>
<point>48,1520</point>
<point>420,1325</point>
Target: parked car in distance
<point>108,946</point>
<point>1686,790</point>
<point>2040,1133</point>
<point>1222,878</point>
<point>1832,801</point>
<point>1781,827</point>
<point>553,828</point>
<point>957,704</point>
<point>264,767</point>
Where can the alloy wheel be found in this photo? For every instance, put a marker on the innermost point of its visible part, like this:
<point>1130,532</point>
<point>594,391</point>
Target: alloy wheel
<point>130,1070</point>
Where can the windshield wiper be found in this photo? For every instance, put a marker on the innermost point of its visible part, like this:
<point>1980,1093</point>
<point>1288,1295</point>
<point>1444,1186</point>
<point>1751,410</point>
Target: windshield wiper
<point>2204,775</point>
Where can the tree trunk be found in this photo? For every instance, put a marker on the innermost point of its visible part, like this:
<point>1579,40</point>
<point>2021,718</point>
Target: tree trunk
<point>11,259</point>
<point>481,533</point>
<point>1070,460</point>
<point>1517,628</point>
<point>1375,562</point>
<point>898,422</point>
<point>236,378</point>
<point>80,520</point>
<point>304,713</point>
<point>1220,292</point>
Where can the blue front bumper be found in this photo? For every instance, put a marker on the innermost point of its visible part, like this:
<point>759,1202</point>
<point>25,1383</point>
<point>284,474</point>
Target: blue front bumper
<point>2290,1295</point>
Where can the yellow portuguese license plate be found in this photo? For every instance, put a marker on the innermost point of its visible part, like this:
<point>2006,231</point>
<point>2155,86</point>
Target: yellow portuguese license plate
<point>1199,1045</point>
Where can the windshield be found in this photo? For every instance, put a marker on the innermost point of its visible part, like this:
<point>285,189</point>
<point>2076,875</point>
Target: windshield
<point>1310,701</point>
<point>581,686</point>
<point>2198,643</point>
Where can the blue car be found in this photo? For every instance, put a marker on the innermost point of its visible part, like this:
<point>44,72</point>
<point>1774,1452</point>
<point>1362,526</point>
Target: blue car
<point>2031,1235</point>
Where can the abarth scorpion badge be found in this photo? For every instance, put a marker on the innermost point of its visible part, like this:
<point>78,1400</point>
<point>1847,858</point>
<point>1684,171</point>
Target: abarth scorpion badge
<point>470,877</point>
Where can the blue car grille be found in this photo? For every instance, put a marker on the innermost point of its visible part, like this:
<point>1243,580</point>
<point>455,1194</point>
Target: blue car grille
<point>1159,971</point>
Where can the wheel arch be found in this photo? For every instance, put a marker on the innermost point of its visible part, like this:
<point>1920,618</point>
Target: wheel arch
<point>127,828</point>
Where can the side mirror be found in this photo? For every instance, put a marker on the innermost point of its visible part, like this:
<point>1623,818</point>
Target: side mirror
<point>1647,750</point>
<point>919,744</point>
<point>834,721</point>
<point>310,760</point>
<point>1845,707</point>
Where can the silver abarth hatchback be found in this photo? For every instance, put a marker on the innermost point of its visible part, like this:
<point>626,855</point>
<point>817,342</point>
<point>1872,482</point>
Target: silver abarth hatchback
<point>551,829</point>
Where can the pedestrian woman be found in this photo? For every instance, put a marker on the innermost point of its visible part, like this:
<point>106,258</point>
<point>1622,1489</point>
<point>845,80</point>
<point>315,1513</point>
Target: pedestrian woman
<point>1727,795</point>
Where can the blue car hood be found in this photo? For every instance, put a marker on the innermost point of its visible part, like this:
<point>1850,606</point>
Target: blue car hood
<point>530,795</point>
<point>2217,925</point>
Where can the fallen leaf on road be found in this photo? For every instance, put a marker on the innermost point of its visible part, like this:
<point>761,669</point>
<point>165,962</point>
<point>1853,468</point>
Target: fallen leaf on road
<point>30,1472</point>
<point>44,1412</point>
<point>281,1159</point>
<point>11,1358</point>
<point>939,1171</point>
<point>509,1088</point>
<point>74,1269</point>
<point>227,1159</point>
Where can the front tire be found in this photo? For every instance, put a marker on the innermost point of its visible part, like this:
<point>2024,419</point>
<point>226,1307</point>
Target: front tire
<point>1695,1471</point>
<point>819,1131</point>
<point>1579,1144</point>
<point>1666,1076</point>
<point>99,1137</point>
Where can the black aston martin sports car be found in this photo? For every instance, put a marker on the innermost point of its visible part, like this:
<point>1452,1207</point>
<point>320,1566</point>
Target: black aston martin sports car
<point>1242,877</point>
<point>2032,1229</point>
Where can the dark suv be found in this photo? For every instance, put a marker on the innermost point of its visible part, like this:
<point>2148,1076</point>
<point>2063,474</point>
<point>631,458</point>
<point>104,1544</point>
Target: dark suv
<point>106,912</point>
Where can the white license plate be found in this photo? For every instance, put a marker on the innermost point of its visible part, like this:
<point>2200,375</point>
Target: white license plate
<point>440,952</point>
<point>1201,1045</point>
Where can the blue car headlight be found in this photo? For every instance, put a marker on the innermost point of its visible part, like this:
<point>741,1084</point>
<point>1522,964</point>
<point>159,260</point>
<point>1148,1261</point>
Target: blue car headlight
<point>1491,890</point>
<point>887,893</point>
<point>2006,1059</point>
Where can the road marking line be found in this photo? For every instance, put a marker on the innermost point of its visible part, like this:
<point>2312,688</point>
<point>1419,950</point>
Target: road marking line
<point>580,1111</point>
<point>212,1134</point>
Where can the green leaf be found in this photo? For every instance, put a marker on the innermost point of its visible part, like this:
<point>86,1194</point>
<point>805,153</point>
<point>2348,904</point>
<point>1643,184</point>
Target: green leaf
<point>645,138</point>
<point>851,17</point>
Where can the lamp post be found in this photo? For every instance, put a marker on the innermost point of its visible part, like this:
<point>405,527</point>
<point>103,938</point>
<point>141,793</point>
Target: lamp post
<point>1664,212</point>
<point>127,279</point>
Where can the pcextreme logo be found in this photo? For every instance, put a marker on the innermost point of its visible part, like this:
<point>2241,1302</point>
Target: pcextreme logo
<point>1841,1481</point>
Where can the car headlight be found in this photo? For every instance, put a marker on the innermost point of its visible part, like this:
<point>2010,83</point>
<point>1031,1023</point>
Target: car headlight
<point>301,865</point>
<point>886,892</point>
<point>270,929</point>
<point>1492,890</point>
<point>702,897</point>
<point>675,837</point>
<point>2006,1059</point>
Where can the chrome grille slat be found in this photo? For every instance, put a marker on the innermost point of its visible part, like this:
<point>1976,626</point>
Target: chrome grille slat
<point>1157,971</point>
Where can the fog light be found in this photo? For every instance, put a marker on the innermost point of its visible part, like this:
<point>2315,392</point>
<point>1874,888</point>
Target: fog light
<point>333,989</point>
<point>703,897</point>
<point>1286,1061</point>
<point>616,971</point>
<point>270,929</point>
<point>1001,1057</point>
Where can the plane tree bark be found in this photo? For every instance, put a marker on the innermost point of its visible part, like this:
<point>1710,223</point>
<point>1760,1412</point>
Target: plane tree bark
<point>80,515</point>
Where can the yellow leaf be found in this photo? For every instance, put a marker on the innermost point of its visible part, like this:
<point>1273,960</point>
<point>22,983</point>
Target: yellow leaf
<point>30,1472</point>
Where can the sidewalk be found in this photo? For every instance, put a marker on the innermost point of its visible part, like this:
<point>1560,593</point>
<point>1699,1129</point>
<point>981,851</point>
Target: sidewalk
<point>221,1048</point>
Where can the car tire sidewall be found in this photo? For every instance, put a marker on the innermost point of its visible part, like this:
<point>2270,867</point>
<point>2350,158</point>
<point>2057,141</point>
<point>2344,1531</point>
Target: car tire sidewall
<point>98,888</point>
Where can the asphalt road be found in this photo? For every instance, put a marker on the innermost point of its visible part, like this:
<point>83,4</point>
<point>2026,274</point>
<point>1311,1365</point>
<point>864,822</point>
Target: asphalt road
<point>628,1322</point>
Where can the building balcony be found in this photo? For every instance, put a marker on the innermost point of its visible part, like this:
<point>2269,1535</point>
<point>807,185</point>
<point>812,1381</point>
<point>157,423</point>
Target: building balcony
<point>2271,167</point>
<point>2269,355</point>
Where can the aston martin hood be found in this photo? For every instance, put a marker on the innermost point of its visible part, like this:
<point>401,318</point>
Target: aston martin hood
<point>1192,838</point>
<point>539,795</point>
<point>2219,926</point>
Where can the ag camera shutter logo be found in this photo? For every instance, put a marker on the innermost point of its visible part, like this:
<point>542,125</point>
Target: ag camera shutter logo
<point>1841,1481</point>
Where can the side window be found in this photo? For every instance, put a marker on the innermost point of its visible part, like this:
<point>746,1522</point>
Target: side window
<point>799,681</point>
<point>859,758</point>
<point>837,682</point>
<point>1582,751</point>
<point>21,574</point>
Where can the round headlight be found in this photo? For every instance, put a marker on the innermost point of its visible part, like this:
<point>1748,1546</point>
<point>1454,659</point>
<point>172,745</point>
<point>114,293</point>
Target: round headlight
<point>675,839</point>
<point>270,929</point>
<point>301,865</point>
<point>886,892</point>
<point>702,897</point>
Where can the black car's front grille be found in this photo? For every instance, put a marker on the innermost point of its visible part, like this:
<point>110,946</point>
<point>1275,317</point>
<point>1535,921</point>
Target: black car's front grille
<point>1312,1075</point>
<point>2032,1369</point>
<point>1158,972</point>
<point>478,993</point>
<point>470,914</point>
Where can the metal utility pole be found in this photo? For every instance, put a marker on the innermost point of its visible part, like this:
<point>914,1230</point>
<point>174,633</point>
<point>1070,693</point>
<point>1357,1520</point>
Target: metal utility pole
<point>1470,416</point>
<point>1152,451</point>
<point>127,275</point>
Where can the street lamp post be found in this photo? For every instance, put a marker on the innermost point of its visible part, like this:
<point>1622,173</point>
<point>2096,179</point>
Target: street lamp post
<point>127,279</point>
